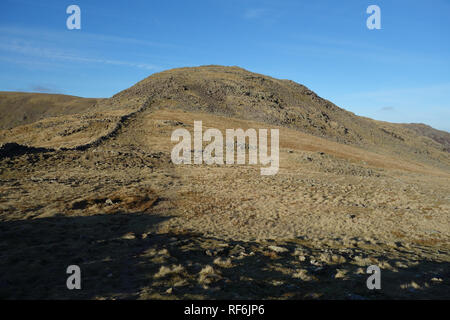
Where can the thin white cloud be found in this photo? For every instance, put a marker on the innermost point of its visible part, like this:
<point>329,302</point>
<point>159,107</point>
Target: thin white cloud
<point>426,104</point>
<point>255,13</point>
<point>82,35</point>
<point>45,44</point>
<point>318,45</point>
<point>401,93</point>
<point>44,88</point>
<point>29,49</point>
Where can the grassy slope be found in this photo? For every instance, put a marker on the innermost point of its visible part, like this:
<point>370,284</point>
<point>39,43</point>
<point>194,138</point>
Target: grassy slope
<point>226,91</point>
<point>19,108</point>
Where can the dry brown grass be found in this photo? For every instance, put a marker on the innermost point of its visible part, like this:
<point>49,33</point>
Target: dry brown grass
<point>122,209</point>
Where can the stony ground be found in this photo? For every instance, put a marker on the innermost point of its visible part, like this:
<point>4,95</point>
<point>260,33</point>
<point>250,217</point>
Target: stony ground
<point>141,227</point>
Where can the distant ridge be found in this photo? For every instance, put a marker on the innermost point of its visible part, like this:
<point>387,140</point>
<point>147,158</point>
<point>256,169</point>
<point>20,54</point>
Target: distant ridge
<point>19,108</point>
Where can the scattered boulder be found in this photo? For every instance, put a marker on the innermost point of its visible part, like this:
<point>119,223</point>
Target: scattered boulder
<point>278,249</point>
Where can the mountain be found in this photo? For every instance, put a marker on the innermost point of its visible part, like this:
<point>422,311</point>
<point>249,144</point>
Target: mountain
<point>97,187</point>
<point>225,91</point>
<point>441,137</point>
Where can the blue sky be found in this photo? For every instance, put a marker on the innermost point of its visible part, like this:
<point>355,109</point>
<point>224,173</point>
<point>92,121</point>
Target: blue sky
<point>400,73</point>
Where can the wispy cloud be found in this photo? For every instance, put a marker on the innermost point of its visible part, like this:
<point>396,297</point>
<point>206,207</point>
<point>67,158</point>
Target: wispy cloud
<point>44,89</point>
<point>427,104</point>
<point>403,94</point>
<point>323,46</point>
<point>46,45</point>
<point>255,13</point>
<point>268,15</point>
<point>85,36</point>
<point>30,49</point>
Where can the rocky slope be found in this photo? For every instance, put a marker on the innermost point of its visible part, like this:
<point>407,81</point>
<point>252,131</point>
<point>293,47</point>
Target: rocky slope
<point>234,92</point>
<point>98,189</point>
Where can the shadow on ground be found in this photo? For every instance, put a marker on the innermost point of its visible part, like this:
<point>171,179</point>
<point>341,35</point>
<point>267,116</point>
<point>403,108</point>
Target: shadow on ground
<point>121,256</point>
